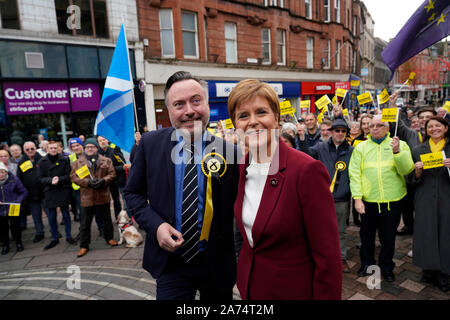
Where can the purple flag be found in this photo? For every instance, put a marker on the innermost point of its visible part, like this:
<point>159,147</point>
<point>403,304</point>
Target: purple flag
<point>428,25</point>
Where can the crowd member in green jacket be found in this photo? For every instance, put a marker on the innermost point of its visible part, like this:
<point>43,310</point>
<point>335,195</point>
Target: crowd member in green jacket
<point>377,169</point>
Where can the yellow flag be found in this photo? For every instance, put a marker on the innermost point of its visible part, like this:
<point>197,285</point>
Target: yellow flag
<point>82,172</point>
<point>389,115</point>
<point>27,165</point>
<point>364,98</point>
<point>383,97</point>
<point>14,210</point>
<point>305,104</point>
<point>334,100</point>
<point>432,160</point>
<point>447,106</point>
<point>345,112</point>
<point>341,92</point>
<point>323,102</point>
<point>286,108</point>
<point>411,77</point>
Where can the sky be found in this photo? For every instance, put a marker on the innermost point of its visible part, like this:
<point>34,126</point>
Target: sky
<point>390,15</point>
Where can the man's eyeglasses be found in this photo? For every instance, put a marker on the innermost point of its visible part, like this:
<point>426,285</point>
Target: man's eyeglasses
<point>379,125</point>
<point>30,149</point>
<point>340,130</point>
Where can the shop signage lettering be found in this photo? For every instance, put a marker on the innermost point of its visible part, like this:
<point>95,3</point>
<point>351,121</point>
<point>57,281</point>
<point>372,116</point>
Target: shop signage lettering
<point>224,89</point>
<point>23,98</point>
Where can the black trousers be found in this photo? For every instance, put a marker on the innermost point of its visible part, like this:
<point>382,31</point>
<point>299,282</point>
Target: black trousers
<point>408,207</point>
<point>180,281</point>
<point>86,221</point>
<point>115,195</point>
<point>16,231</point>
<point>379,217</point>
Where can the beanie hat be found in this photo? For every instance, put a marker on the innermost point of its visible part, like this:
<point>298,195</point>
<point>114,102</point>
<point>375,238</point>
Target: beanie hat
<point>92,141</point>
<point>3,167</point>
<point>339,123</point>
<point>75,140</point>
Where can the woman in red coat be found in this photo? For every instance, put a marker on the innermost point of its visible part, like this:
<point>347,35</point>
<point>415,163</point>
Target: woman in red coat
<point>284,208</point>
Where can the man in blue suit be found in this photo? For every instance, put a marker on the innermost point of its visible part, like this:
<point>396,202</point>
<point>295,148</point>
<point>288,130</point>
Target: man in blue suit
<point>181,190</point>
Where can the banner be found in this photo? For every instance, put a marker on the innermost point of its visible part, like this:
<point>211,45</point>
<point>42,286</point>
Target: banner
<point>432,160</point>
<point>389,115</point>
<point>365,98</point>
<point>323,102</point>
<point>383,97</point>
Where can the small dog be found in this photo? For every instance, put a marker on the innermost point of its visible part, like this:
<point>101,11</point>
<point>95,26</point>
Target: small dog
<point>127,231</point>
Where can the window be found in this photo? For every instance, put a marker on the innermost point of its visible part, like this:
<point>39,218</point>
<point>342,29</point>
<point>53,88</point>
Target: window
<point>189,28</point>
<point>281,47</point>
<point>326,5</point>
<point>354,25</point>
<point>308,9</point>
<point>328,55</point>
<point>230,42</point>
<point>310,53</point>
<point>338,55</point>
<point>93,18</point>
<point>9,15</point>
<point>166,33</point>
<point>354,61</point>
<point>337,10</point>
<point>83,62</point>
<point>265,41</point>
<point>274,3</point>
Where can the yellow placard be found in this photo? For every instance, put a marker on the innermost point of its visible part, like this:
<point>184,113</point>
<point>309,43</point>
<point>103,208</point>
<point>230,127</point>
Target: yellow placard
<point>227,123</point>
<point>389,115</point>
<point>355,83</point>
<point>82,172</point>
<point>341,92</point>
<point>27,165</point>
<point>345,112</point>
<point>447,106</point>
<point>364,98</point>
<point>286,108</point>
<point>14,210</point>
<point>432,160</point>
<point>323,102</point>
<point>305,104</point>
<point>334,100</point>
<point>383,97</point>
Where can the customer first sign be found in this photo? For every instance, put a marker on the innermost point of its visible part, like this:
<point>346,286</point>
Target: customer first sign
<point>22,98</point>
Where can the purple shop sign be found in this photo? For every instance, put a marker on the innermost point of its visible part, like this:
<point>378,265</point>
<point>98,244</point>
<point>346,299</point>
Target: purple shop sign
<point>22,98</point>
<point>85,96</point>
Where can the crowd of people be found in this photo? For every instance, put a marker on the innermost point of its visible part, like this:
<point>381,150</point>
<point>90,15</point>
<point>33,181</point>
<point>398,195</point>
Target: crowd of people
<point>292,194</point>
<point>46,179</point>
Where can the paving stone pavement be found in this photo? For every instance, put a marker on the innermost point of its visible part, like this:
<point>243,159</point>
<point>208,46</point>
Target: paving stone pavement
<point>116,273</point>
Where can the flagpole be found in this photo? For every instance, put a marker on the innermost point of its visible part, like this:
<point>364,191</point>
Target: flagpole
<point>131,76</point>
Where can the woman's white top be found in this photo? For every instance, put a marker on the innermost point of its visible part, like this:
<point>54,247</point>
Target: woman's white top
<point>254,187</point>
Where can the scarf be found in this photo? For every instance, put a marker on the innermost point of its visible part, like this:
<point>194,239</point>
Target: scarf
<point>437,147</point>
<point>378,141</point>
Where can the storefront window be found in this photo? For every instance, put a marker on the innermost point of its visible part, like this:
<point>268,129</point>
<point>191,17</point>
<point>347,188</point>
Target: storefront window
<point>83,62</point>
<point>13,61</point>
<point>106,54</point>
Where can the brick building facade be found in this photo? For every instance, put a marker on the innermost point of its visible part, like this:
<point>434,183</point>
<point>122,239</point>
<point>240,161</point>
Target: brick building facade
<point>286,42</point>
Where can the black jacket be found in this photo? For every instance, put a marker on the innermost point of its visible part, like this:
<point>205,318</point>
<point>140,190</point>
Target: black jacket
<point>118,161</point>
<point>329,155</point>
<point>55,195</point>
<point>30,178</point>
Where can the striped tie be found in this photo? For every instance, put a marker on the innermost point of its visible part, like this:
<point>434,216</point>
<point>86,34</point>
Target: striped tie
<point>189,215</point>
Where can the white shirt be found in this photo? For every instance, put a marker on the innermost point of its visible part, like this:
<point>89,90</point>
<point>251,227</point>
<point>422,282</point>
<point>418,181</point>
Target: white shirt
<point>254,187</point>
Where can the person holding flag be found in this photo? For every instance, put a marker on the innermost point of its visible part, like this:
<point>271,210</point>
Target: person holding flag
<point>431,240</point>
<point>93,173</point>
<point>12,194</point>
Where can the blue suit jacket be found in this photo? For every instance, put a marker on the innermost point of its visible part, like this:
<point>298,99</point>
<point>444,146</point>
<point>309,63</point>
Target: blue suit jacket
<point>150,197</point>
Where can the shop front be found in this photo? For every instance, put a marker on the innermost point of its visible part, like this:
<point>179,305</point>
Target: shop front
<point>313,91</point>
<point>220,90</point>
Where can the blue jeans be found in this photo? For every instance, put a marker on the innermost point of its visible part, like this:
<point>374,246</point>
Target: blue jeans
<point>36,213</point>
<point>54,224</point>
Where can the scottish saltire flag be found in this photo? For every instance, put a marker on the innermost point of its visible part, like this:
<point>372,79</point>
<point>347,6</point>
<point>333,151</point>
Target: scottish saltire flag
<point>115,119</point>
<point>428,25</point>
